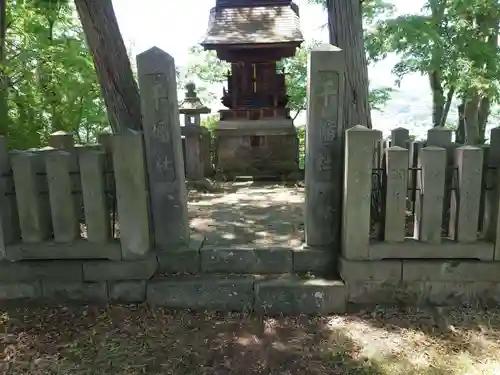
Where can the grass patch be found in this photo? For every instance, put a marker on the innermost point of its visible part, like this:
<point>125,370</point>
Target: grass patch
<point>129,340</point>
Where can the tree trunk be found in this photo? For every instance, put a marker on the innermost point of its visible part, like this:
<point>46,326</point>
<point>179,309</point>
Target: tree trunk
<point>345,25</point>
<point>437,98</point>
<point>471,117</point>
<point>460,132</point>
<point>4,79</point>
<point>118,86</point>
<point>483,114</point>
<point>447,105</point>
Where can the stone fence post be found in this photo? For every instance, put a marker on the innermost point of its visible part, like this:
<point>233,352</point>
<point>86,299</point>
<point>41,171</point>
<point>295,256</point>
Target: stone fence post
<point>162,136</point>
<point>431,194</point>
<point>324,137</point>
<point>131,194</point>
<point>466,198</point>
<point>359,153</point>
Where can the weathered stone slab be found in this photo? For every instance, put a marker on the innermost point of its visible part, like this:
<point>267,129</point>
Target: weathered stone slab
<point>441,293</point>
<point>131,194</point>
<point>33,270</point>
<point>430,198</point>
<point>195,165</point>
<point>465,202</point>
<point>246,260</point>
<point>62,140</point>
<point>200,293</point>
<point>491,224</point>
<point>81,249</point>
<point>162,135</point>
<point>290,296</point>
<point>312,260</point>
<point>370,270</point>
<point>140,269</point>
<point>362,292</point>
<point>359,148</point>
<point>452,270</point>
<point>93,183</point>
<point>400,137</point>
<point>11,291</point>
<point>182,260</point>
<point>10,232</point>
<point>75,291</point>
<point>439,137</point>
<point>396,192</point>
<point>446,249</point>
<point>34,217</point>
<point>325,133</point>
<point>127,291</point>
<point>62,203</point>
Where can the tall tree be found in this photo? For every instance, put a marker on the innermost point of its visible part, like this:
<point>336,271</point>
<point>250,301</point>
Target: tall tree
<point>345,26</point>
<point>454,44</point>
<point>118,86</point>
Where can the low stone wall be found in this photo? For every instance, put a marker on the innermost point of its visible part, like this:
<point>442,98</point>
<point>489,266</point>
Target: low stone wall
<point>267,281</point>
<point>416,282</point>
<point>227,279</point>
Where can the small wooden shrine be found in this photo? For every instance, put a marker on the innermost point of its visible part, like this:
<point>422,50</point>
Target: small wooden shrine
<point>256,134</point>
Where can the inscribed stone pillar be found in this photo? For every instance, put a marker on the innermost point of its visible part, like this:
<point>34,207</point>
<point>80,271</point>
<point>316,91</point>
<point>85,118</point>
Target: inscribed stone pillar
<point>324,137</point>
<point>162,134</point>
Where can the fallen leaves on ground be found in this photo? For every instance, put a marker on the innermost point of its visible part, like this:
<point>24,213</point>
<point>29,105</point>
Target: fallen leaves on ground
<point>129,340</point>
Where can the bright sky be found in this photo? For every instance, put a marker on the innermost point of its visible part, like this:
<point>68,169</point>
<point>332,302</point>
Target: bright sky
<point>174,26</point>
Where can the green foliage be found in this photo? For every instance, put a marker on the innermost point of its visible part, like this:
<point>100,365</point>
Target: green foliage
<point>454,43</point>
<point>206,66</point>
<point>296,78</point>
<point>210,122</point>
<point>52,83</point>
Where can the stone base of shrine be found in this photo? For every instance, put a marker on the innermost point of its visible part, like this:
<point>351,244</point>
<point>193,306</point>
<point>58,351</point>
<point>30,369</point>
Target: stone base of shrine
<point>256,148</point>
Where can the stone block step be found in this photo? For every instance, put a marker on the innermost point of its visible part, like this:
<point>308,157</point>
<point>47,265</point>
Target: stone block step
<point>247,260</point>
<point>270,295</point>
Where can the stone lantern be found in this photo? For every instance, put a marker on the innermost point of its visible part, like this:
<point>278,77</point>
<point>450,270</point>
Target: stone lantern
<point>197,137</point>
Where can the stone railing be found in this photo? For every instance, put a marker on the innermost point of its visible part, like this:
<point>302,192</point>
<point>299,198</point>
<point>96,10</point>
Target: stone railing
<point>432,200</point>
<point>59,202</point>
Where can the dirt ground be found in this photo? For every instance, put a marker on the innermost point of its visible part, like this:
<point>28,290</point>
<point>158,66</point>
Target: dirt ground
<point>244,213</point>
<point>133,340</point>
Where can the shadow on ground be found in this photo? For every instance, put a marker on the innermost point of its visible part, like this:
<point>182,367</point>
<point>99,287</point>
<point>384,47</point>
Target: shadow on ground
<point>249,213</point>
<point>127,340</point>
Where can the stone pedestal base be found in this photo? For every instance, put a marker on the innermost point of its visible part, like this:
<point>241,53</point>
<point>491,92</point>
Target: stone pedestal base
<point>196,152</point>
<point>257,148</point>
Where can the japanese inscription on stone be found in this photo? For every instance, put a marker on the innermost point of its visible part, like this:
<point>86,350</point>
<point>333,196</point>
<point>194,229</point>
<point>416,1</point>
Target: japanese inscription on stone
<point>327,104</point>
<point>160,137</point>
<point>325,163</point>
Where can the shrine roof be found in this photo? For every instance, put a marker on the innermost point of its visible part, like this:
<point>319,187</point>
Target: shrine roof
<point>253,25</point>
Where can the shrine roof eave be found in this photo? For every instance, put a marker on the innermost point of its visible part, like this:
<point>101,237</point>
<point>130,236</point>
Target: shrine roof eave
<point>218,46</point>
<point>195,111</point>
